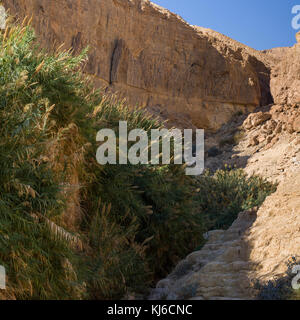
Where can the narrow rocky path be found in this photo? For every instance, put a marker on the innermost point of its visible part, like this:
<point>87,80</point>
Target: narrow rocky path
<point>218,271</point>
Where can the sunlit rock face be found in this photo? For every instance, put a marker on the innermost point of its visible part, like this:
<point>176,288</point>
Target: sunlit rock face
<point>285,77</point>
<point>153,58</point>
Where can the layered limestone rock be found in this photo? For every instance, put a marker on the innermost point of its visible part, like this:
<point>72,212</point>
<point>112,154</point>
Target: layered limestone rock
<point>218,271</point>
<point>260,61</point>
<point>153,58</point>
<point>285,79</point>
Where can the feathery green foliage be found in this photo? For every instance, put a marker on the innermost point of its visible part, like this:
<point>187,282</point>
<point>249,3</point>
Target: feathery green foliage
<point>157,199</point>
<point>50,115</point>
<point>33,256</point>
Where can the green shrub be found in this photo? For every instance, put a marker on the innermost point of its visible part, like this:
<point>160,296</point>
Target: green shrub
<point>158,199</point>
<point>116,265</point>
<point>223,195</point>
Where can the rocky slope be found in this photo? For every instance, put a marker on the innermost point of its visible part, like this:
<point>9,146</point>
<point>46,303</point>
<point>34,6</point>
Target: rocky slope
<point>154,58</point>
<point>260,243</point>
<point>256,247</point>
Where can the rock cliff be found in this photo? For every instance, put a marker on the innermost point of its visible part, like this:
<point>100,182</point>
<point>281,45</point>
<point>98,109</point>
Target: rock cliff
<point>154,59</point>
<point>285,79</point>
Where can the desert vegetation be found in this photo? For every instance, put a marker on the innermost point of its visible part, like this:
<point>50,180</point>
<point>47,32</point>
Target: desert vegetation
<point>71,228</point>
<point>222,195</point>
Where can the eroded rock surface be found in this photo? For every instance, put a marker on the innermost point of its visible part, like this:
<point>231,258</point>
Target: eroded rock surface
<point>256,247</point>
<point>218,271</point>
<point>154,58</point>
<point>259,244</point>
<point>285,79</point>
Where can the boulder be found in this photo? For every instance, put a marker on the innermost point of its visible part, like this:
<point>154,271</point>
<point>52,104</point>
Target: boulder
<point>259,118</point>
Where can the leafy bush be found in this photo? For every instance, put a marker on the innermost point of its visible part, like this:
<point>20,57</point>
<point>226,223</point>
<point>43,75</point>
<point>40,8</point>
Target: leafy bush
<point>116,264</point>
<point>157,199</point>
<point>223,195</point>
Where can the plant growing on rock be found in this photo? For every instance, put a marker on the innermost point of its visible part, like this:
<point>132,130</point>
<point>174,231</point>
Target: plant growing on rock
<point>223,195</point>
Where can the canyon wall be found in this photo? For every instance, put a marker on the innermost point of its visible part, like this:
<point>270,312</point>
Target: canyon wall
<point>153,58</point>
<point>194,75</point>
<point>285,78</point>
